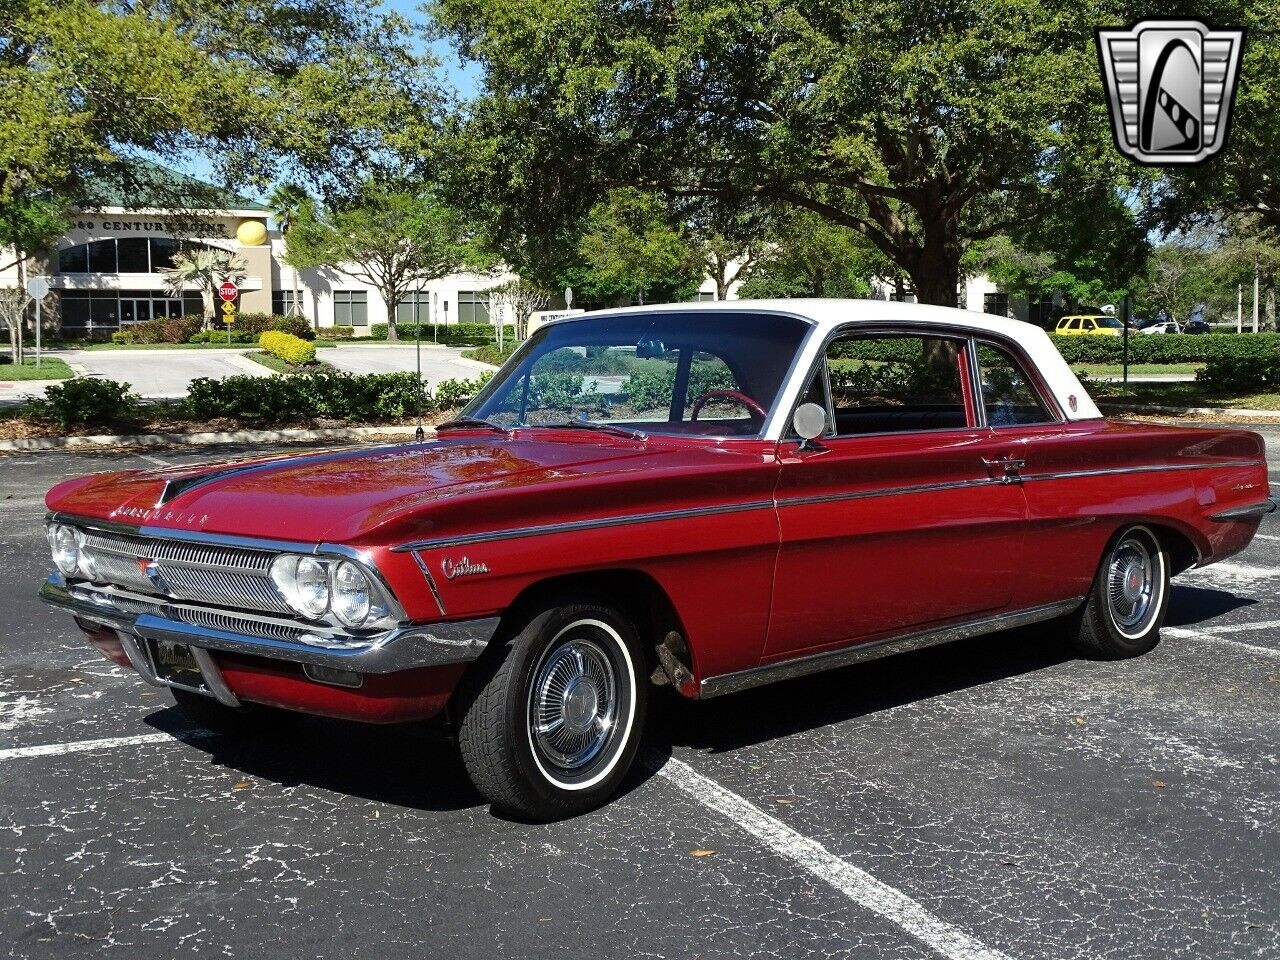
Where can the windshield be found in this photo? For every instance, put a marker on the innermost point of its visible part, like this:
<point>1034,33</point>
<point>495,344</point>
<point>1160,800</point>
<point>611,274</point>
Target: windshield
<point>1109,322</point>
<point>713,373</point>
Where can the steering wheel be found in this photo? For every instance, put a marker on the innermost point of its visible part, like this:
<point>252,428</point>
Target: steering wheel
<point>742,398</point>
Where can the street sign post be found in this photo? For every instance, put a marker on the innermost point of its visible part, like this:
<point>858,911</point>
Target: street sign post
<point>228,317</point>
<point>37,290</point>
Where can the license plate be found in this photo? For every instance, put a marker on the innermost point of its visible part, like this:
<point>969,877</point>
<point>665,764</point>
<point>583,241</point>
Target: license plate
<point>174,663</point>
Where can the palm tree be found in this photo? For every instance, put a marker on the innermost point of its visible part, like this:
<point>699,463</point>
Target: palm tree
<point>203,268</point>
<point>287,202</point>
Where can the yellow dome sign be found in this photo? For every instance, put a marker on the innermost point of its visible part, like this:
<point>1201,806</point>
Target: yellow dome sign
<point>251,233</point>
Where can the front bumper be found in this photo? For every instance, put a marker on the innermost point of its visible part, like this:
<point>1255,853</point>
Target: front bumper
<point>136,617</point>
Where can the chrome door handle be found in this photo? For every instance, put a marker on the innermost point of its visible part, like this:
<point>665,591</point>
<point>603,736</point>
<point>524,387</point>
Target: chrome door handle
<point>1005,469</point>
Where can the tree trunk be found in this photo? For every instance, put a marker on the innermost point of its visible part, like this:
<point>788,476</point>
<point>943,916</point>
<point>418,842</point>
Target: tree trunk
<point>1270,306</point>
<point>934,266</point>
<point>393,303</point>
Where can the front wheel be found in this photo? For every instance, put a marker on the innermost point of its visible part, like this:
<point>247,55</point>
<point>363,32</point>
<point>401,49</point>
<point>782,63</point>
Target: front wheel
<point>1127,602</point>
<point>551,722</point>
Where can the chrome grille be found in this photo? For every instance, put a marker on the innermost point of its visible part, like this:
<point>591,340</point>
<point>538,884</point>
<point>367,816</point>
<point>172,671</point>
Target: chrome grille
<point>203,573</point>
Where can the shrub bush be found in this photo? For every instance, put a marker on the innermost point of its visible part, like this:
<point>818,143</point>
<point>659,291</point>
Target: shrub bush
<point>1233,370</point>
<point>1165,347</point>
<point>339,333</point>
<point>222,336</point>
<point>320,393</point>
<point>159,330</point>
<point>489,353</point>
<point>455,333</point>
<point>288,348</point>
<point>452,394</point>
<point>84,402</point>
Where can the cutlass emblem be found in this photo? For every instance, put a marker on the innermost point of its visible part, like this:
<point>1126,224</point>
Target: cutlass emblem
<point>452,569</point>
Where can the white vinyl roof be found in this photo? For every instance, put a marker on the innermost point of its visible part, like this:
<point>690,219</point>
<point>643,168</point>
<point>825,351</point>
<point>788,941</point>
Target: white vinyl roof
<point>827,314</point>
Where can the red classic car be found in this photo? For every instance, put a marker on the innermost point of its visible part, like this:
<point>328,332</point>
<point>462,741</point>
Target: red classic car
<point>708,496</point>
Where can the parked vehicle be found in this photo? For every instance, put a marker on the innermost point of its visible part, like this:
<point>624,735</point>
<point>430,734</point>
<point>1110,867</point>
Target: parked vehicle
<point>707,496</point>
<point>1167,326</point>
<point>1195,326</point>
<point>1090,325</point>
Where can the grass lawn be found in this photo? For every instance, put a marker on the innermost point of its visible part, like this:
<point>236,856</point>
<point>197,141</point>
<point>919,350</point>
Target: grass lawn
<point>281,366</point>
<point>51,368</point>
<point>1116,369</point>
<point>1135,395</point>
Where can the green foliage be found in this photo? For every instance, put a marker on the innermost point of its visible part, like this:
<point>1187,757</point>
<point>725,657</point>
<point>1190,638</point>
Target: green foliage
<point>339,333</point>
<point>329,394</point>
<point>452,394</point>
<point>809,257</point>
<point>925,127</point>
<point>84,402</point>
<point>651,388</point>
<point>489,353</point>
<point>1240,371</point>
<point>288,348</point>
<point>631,249</point>
<point>391,235</point>
<point>454,333</point>
<point>223,336</point>
<point>159,330</point>
<point>1167,347</point>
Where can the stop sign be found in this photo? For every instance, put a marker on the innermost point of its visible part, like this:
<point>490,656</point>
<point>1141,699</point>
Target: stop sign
<point>228,291</point>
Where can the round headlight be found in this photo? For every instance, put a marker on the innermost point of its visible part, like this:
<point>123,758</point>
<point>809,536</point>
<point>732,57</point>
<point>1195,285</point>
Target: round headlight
<point>312,579</point>
<point>66,549</point>
<point>284,574</point>
<point>352,594</point>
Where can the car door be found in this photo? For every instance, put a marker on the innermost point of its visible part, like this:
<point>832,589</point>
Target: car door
<point>901,517</point>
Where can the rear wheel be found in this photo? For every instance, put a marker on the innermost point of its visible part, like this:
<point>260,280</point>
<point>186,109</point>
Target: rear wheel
<point>1127,602</point>
<point>551,722</point>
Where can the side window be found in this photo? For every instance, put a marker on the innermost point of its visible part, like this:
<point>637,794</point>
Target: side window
<point>1007,393</point>
<point>1074,324</point>
<point>1088,325</point>
<point>892,383</point>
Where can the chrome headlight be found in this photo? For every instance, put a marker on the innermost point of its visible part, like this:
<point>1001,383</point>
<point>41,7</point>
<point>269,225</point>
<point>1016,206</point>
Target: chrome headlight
<point>323,588</point>
<point>64,541</point>
<point>352,594</point>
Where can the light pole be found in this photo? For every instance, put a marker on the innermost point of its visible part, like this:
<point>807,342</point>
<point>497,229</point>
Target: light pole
<point>435,317</point>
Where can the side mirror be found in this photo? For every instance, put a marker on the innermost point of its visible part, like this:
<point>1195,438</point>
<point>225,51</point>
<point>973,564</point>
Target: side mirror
<point>810,422</point>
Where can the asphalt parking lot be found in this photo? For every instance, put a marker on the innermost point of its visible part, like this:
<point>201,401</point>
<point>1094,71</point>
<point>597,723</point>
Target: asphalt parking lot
<point>997,798</point>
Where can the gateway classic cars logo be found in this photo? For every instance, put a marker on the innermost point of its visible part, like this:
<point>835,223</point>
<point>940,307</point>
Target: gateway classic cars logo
<point>1170,86</point>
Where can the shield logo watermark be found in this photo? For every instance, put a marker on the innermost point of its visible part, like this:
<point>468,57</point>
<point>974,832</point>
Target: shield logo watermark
<point>1170,86</point>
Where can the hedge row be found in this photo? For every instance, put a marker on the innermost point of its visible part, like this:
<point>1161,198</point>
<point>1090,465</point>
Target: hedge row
<point>1257,370</point>
<point>453,333</point>
<point>260,401</point>
<point>246,329</point>
<point>1153,348</point>
<point>288,348</point>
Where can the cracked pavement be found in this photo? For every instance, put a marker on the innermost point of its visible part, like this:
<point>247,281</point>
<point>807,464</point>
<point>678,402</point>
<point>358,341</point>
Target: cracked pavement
<point>1047,807</point>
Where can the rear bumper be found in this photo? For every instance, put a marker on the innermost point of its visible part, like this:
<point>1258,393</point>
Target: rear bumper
<point>1250,511</point>
<point>238,661</point>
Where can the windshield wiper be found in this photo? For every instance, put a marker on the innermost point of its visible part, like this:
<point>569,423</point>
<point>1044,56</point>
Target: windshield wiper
<point>460,423</point>
<point>613,428</point>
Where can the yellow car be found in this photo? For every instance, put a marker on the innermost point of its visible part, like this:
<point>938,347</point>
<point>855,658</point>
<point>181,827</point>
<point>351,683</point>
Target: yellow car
<point>1093,324</point>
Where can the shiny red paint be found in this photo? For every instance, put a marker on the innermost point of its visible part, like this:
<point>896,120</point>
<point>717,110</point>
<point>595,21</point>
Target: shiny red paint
<point>748,586</point>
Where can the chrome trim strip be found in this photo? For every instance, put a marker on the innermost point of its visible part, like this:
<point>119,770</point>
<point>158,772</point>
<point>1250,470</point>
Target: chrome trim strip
<point>888,492</point>
<point>573,526</point>
<point>1247,512</point>
<point>401,648</point>
<point>1157,468</point>
<point>846,656</point>
<point>431,581</point>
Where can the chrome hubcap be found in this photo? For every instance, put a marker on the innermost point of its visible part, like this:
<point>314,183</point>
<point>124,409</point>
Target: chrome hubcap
<point>1131,585</point>
<point>574,705</point>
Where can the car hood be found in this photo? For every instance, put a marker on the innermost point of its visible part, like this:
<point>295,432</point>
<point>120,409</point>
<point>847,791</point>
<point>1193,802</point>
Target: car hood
<point>337,496</point>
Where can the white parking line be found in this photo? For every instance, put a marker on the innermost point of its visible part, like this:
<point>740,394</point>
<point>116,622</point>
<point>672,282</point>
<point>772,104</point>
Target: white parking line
<point>110,743</point>
<point>1211,634</point>
<point>1265,536</point>
<point>858,885</point>
<point>158,461</point>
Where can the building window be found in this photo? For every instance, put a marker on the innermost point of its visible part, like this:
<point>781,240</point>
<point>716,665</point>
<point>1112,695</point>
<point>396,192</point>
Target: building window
<point>102,256</point>
<point>473,306</point>
<point>282,303</point>
<point>131,254</point>
<point>162,251</point>
<point>74,259</point>
<point>414,308</point>
<point>350,308</point>
<point>996,303</point>
<point>704,296</point>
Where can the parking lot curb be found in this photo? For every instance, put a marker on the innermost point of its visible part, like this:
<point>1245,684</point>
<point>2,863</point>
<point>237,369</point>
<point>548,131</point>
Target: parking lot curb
<point>35,444</point>
<point>1223,413</point>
